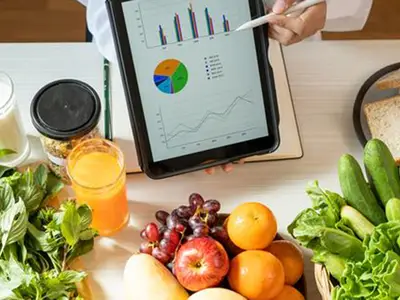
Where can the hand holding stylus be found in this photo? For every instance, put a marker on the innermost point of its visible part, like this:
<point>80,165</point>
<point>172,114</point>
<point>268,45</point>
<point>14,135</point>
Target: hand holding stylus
<point>292,21</point>
<point>295,28</point>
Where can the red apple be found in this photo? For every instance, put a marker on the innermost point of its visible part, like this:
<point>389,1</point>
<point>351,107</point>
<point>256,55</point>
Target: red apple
<point>201,263</point>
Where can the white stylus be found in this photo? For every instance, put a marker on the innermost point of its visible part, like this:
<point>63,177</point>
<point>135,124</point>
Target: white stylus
<point>265,19</point>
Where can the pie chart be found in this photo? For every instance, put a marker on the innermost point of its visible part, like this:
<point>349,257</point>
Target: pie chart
<point>170,76</point>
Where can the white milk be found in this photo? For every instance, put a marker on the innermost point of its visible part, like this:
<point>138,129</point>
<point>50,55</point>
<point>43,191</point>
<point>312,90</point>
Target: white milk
<point>12,134</point>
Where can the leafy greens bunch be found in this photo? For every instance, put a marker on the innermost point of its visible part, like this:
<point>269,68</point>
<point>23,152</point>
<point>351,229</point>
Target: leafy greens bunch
<point>37,242</point>
<point>357,236</point>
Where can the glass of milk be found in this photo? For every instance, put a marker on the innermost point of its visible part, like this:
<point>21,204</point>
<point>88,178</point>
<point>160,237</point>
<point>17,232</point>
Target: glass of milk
<point>12,133</point>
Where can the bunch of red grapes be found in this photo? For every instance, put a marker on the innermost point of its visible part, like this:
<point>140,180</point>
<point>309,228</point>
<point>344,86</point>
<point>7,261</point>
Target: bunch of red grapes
<point>198,219</point>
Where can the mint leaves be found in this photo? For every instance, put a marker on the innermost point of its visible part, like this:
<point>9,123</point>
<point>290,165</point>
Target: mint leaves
<point>71,224</point>
<point>37,243</point>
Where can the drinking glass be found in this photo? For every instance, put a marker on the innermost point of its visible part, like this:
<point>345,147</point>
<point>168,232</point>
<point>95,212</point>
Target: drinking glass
<point>13,139</point>
<point>96,168</point>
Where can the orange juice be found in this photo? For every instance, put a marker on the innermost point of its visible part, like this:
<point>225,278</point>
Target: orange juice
<point>97,173</point>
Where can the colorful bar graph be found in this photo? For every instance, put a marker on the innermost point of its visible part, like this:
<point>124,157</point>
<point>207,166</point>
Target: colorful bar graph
<point>210,25</point>
<point>163,38</point>
<point>194,27</point>
<point>226,24</point>
<point>178,28</point>
<point>193,23</point>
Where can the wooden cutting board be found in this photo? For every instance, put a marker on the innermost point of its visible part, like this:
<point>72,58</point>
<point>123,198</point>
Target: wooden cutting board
<point>383,23</point>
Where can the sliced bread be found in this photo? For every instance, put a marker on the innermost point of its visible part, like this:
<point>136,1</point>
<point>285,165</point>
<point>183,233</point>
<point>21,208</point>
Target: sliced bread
<point>391,81</point>
<point>383,118</point>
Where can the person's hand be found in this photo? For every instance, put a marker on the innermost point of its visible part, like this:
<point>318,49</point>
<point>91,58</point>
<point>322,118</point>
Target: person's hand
<point>294,28</point>
<point>227,168</point>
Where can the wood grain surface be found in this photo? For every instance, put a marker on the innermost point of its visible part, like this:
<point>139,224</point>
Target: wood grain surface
<point>42,21</point>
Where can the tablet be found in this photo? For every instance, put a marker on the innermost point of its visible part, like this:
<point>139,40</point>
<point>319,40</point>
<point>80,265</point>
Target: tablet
<point>199,93</point>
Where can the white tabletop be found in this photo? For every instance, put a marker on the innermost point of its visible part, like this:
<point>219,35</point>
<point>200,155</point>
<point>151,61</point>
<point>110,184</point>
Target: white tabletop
<point>324,78</point>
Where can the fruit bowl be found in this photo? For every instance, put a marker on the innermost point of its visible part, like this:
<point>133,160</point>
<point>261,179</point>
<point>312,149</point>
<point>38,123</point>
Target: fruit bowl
<point>301,285</point>
<point>198,248</point>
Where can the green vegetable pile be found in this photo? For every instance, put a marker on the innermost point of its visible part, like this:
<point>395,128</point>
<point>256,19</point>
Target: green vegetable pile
<point>356,235</point>
<point>38,243</point>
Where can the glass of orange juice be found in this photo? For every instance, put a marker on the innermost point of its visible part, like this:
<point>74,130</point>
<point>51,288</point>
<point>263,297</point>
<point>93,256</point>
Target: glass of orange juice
<point>96,168</point>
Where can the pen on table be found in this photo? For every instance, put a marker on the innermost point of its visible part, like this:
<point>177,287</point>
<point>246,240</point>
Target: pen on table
<point>107,98</point>
<point>265,19</point>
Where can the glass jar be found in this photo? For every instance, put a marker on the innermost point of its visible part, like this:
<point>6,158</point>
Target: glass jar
<point>96,168</point>
<point>12,133</point>
<point>65,112</point>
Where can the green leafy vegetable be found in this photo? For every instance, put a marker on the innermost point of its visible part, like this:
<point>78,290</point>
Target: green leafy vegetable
<point>6,196</point>
<point>71,224</point>
<point>37,242</point>
<point>11,180</point>
<point>378,275</point>
<point>321,229</point>
<point>342,244</point>
<point>6,171</point>
<point>334,263</point>
<point>13,224</point>
<point>30,191</point>
<point>53,186</point>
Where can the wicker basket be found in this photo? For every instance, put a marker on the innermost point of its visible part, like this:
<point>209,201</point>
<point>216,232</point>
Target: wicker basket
<point>323,280</point>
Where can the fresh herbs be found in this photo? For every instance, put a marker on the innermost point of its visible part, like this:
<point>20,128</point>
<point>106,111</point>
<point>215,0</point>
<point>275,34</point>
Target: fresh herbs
<point>3,153</point>
<point>38,243</point>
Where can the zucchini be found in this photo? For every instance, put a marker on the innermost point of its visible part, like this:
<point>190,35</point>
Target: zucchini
<point>356,221</point>
<point>357,192</point>
<point>381,168</point>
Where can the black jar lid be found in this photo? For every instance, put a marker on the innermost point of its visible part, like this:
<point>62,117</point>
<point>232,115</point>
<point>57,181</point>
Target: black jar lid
<point>65,109</point>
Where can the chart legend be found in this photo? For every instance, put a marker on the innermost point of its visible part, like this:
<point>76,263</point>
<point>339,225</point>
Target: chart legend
<point>170,76</point>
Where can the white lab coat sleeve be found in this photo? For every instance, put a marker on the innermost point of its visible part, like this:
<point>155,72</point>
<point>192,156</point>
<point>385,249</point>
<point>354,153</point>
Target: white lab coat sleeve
<point>343,15</point>
<point>99,26</point>
<point>347,15</point>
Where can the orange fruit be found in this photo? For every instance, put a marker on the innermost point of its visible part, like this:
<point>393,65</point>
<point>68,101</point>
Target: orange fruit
<point>289,293</point>
<point>252,226</point>
<point>230,247</point>
<point>256,275</point>
<point>291,258</point>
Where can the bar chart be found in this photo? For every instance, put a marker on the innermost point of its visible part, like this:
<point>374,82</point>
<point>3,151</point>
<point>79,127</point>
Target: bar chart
<point>193,26</point>
<point>182,20</point>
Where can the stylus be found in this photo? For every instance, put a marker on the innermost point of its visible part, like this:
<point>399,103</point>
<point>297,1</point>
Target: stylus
<point>265,19</point>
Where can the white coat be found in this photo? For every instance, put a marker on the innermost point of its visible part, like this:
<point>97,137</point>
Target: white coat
<point>343,15</point>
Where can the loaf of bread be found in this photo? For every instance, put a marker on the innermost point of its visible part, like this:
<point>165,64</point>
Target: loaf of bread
<point>391,81</point>
<point>383,118</point>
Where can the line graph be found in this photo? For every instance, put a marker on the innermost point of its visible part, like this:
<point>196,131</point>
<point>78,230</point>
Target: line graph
<point>228,118</point>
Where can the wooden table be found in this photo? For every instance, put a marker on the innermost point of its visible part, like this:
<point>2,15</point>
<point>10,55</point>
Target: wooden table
<point>324,78</point>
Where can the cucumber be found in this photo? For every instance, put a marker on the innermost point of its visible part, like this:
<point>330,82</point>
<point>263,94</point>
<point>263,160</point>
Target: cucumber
<point>393,210</point>
<point>381,168</point>
<point>357,192</point>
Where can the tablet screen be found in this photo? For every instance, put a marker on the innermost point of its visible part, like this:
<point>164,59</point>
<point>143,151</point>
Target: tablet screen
<point>199,80</point>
